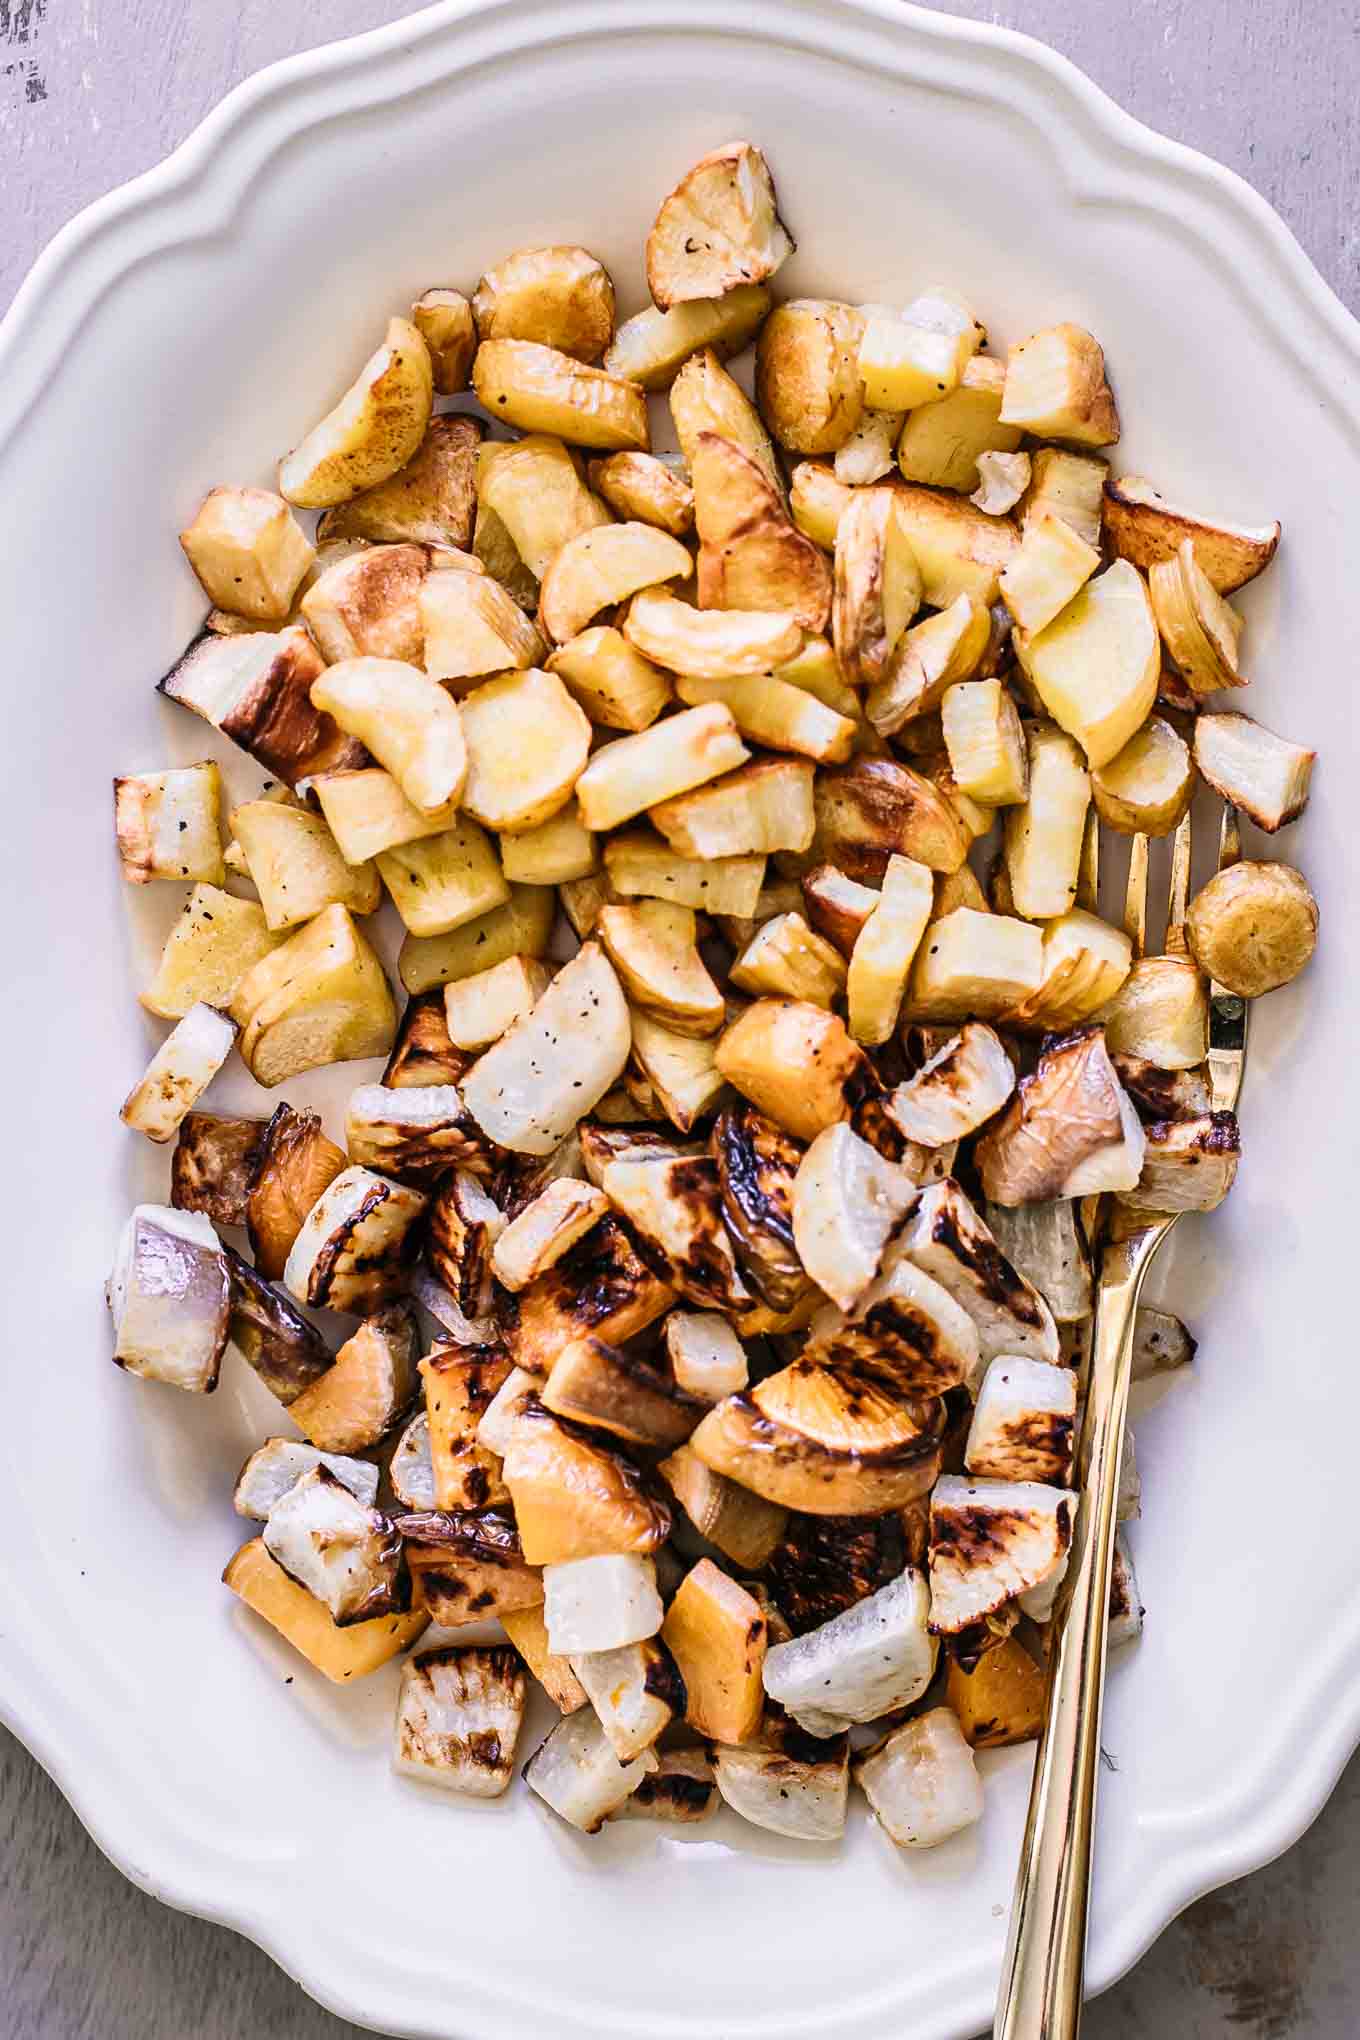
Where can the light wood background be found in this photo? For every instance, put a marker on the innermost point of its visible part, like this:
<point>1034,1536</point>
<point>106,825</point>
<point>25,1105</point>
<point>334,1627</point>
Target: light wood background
<point>93,91</point>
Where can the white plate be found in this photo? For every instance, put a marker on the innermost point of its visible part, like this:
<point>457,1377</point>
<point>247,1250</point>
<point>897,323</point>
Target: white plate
<point>184,332</point>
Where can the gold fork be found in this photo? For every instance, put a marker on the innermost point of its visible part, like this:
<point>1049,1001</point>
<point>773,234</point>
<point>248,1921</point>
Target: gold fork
<point>1040,1995</point>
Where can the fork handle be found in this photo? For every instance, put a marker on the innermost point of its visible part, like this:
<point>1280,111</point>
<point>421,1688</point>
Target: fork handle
<point>1040,1995</point>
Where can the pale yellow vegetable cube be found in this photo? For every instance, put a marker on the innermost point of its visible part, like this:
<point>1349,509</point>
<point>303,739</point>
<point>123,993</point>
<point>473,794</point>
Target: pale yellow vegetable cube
<point>212,945</point>
<point>777,715</point>
<point>441,882</point>
<point>640,864</point>
<point>635,773</point>
<point>296,866</point>
<point>1050,567</point>
<point>785,959</point>
<point>881,960</point>
<point>527,742</point>
<point>975,966</point>
<point>1044,834</point>
<point>1097,665</point>
<point>557,851</point>
<point>901,366</point>
<point>1056,387</point>
<point>249,552</point>
<point>479,1010</point>
<point>985,742</point>
<point>367,812</point>
<point>520,927</point>
<point>611,680</point>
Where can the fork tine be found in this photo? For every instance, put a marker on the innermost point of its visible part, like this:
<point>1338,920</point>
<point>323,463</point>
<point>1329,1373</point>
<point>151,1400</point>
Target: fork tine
<point>1088,871</point>
<point>1229,838</point>
<point>1135,898</point>
<point>1229,1015</point>
<point>1182,845</point>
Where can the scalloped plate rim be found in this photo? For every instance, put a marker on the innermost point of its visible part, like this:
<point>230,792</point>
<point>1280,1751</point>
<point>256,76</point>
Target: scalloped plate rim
<point>1262,1820</point>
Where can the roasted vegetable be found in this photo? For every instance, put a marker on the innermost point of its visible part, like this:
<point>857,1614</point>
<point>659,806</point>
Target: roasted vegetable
<point>601,1603</point>
<point>302,1620</point>
<point>356,1243</point>
<point>256,689</point>
<point>169,1296</point>
<point>812,1440</point>
<point>180,1071</point>
<point>215,1159</point>
<point>867,1661</point>
<point>792,1783</point>
<point>613,1390</point>
<point>166,824</point>
<point>574,1497</point>
<point>459,1714</point>
<point>989,1541</point>
<point>369,1387</point>
<point>601,1287</point>
<point>281,1463</point>
<point>757,1164</point>
<point>282,1346</point>
<point>1253,927</point>
<point>577,1774</point>
<point>716,1634</point>
<point>294,1164</point>
<point>718,229</point>
<point>467,1568</point>
<point>339,1548</point>
<point>1070,1130</point>
<point>945,1239</point>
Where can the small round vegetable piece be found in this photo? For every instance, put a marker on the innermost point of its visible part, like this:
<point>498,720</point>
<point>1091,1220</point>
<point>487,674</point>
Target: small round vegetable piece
<point>1147,786</point>
<point>807,374</point>
<point>1253,927</point>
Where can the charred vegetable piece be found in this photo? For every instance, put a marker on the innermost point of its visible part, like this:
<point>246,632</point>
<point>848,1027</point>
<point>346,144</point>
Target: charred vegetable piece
<point>295,1163</point>
<point>600,1288</point>
<point>281,1463</point>
<point>826,1564</point>
<point>785,1780</point>
<point>682,1787</point>
<point>757,1164</point>
<point>946,1240</point>
<point>574,1497</point>
<point>674,1207</point>
<point>813,1440</point>
<point>906,1334</point>
<point>214,1160</point>
<point>614,1390</point>
<point>424,1056</point>
<point>459,1714</point>
<point>270,1333</point>
<point>415,1135</point>
<point>1024,1424</point>
<point>742,1525</point>
<point>464,1226</point>
<point>716,1633</point>
<point>467,1568</point>
<point>339,1548</point>
<point>989,1541</point>
<point>356,1243</point>
<point>338,1654</point>
<point>460,1383</point>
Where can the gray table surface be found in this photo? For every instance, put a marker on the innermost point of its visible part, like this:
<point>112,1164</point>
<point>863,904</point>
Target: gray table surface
<point>93,91</point>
